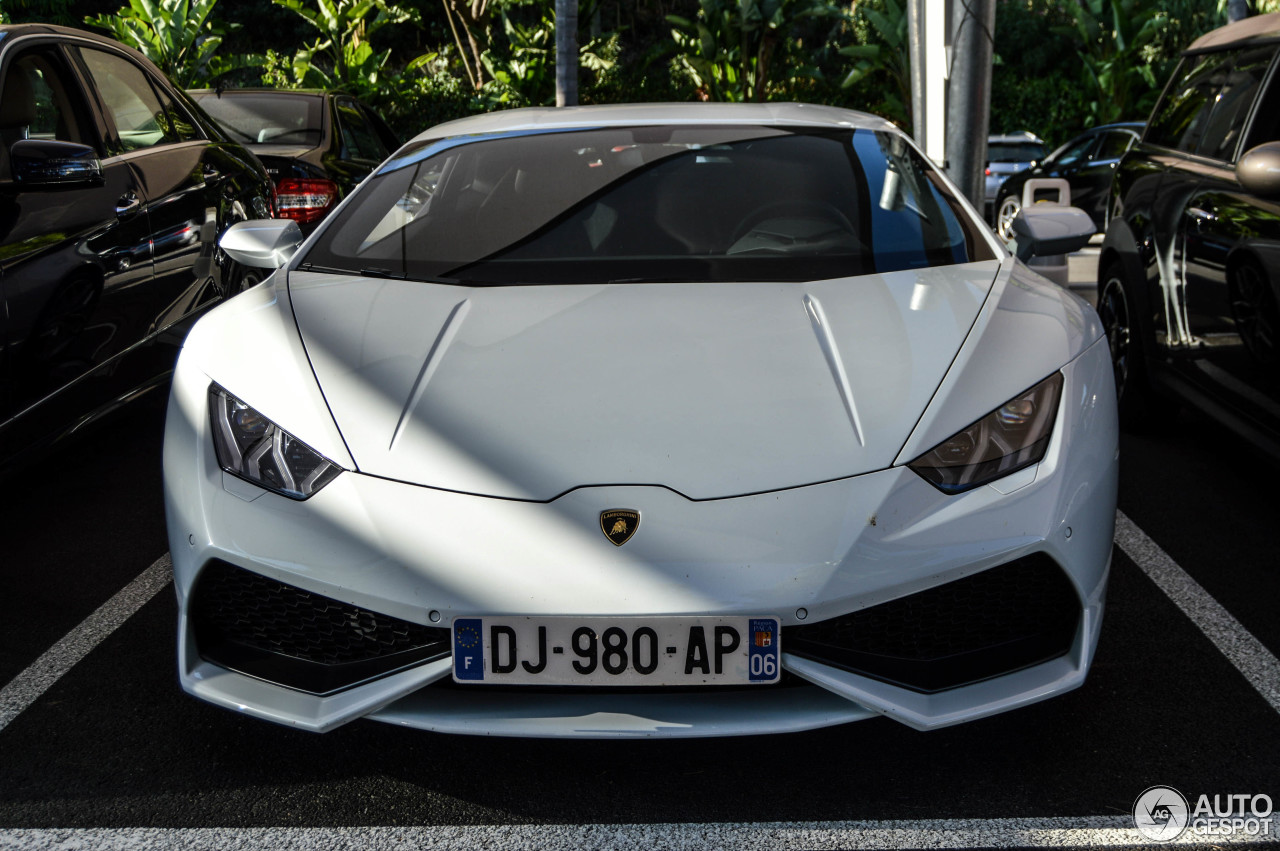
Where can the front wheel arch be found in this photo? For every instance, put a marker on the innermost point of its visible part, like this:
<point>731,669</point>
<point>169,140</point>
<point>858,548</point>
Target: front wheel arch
<point>1120,309</point>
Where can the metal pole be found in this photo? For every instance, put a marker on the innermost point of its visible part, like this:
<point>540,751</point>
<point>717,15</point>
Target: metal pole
<point>935,54</point>
<point>915,41</point>
<point>969,95</point>
<point>566,52</point>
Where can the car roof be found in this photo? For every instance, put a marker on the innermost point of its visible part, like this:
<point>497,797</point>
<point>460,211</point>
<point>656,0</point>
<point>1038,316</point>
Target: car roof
<point>1018,137</point>
<point>630,115</point>
<point>8,31</point>
<point>1126,125</point>
<point>1257,29</point>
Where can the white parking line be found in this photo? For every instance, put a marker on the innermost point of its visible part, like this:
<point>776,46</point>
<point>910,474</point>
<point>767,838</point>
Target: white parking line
<point>26,688</point>
<point>1258,664</point>
<point>1092,832</point>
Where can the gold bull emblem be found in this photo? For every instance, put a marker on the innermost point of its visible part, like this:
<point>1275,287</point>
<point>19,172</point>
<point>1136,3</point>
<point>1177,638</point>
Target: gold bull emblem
<point>619,524</point>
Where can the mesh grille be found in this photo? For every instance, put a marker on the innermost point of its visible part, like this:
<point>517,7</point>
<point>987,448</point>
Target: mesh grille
<point>981,626</point>
<point>244,620</point>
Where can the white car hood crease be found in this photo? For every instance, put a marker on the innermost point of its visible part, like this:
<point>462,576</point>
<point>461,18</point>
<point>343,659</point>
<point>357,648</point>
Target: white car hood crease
<point>712,390</point>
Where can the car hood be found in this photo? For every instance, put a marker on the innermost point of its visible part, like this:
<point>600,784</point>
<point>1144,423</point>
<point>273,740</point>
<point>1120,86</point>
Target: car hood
<point>712,390</point>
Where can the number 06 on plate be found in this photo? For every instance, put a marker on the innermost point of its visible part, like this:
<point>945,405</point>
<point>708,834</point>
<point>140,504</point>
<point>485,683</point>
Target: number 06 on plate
<point>617,651</point>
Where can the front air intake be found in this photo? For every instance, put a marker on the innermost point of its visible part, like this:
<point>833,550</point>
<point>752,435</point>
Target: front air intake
<point>991,623</point>
<point>276,632</point>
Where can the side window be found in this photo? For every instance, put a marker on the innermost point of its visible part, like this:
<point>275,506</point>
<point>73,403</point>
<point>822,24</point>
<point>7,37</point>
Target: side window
<point>178,123</point>
<point>39,101</point>
<point>1266,121</point>
<point>141,122</point>
<point>1180,118</point>
<point>358,137</point>
<point>1075,153</point>
<point>1115,144</point>
<point>1231,106</point>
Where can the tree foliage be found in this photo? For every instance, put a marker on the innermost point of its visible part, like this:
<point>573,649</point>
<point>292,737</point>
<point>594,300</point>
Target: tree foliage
<point>1061,65</point>
<point>179,36</point>
<point>884,55</point>
<point>735,50</point>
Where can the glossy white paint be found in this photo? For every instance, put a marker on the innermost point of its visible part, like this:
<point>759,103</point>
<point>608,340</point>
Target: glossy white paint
<point>712,390</point>
<point>1027,330</point>
<point>251,345</point>
<point>830,548</point>
<point>760,430</point>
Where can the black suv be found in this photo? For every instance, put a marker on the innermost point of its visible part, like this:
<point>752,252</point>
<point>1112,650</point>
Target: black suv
<point>1189,270</point>
<point>114,189</point>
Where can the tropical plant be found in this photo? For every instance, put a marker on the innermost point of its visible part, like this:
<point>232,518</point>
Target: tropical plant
<point>525,73</point>
<point>731,50</point>
<point>39,11</point>
<point>1117,41</point>
<point>888,57</point>
<point>470,18</point>
<point>177,35</point>
<point>343,57</point>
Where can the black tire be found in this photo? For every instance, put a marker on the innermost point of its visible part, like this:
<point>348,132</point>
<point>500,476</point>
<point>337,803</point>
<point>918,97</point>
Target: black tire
<point>1140,408</point>
<point>247,278</point>
<point>1255,311</point>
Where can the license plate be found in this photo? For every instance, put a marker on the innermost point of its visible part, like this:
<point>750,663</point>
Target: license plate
<point>658,651</point>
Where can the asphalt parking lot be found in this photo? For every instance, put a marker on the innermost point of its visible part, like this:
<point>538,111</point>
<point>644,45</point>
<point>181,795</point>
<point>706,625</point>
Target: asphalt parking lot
<point>99,747</point>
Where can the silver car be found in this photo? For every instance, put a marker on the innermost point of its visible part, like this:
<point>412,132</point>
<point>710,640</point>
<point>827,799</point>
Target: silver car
<point>1007,155</point>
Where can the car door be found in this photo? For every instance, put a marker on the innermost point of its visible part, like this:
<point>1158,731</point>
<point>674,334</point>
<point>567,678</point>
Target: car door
<point>1067,162</point>
<point>1232,250</point>
<point>71,255</point>
<point>182,179</point>
<point>1091,178</point>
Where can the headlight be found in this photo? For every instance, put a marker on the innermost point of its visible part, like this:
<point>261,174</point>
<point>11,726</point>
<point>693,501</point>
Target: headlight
<point>1013,436</point>
<point>252,447</point>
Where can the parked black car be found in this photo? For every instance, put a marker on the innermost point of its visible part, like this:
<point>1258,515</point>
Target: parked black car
<point>316,145</point>
<point>1087,163</point>
<point>1189,273</point>
<point>114,189</point>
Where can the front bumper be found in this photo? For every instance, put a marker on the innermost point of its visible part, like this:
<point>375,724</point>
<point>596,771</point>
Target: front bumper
<point>807,554</point>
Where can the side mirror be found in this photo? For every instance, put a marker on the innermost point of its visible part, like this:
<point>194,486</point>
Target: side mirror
<point>1259,169</point>
<point>262,243</point>
<point>1043,230</point>
<point>46,162</point>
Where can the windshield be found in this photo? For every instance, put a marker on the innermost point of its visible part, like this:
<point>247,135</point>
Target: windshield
<point>282,119</point>
<point>649,204</point>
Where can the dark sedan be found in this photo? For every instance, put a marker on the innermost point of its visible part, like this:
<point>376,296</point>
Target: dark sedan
<point>316,145</point>
<point>1087,163</point>
<point>114,189</point>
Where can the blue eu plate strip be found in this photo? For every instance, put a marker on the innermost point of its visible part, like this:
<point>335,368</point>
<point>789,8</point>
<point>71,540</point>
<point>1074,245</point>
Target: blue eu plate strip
<point>468,649</point>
